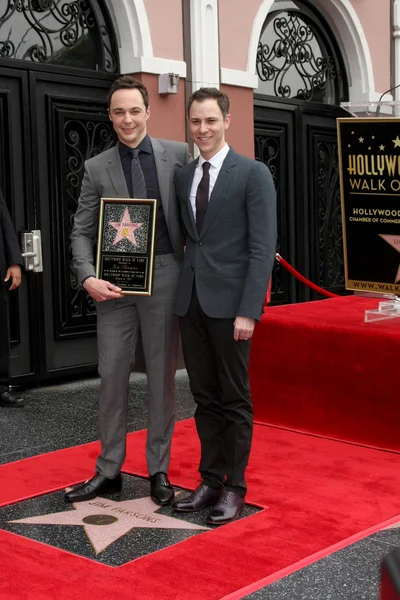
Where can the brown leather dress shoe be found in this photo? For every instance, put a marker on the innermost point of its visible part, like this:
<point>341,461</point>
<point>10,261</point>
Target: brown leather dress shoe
<point>7,399</point>
<point>226,510</point>
<point>201,497</point>
<point>94,487</point>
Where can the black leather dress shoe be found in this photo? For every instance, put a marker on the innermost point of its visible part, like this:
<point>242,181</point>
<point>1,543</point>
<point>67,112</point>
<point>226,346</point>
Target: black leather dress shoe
<point>7,399</point>
<point>161,491</point>
<point>94,487</point>
<point>226,510</point>
<point>201,497</point>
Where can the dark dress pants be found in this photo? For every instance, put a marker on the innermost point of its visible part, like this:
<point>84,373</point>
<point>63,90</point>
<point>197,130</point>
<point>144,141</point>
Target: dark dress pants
<point>4,341</point>
<point>217,366</point>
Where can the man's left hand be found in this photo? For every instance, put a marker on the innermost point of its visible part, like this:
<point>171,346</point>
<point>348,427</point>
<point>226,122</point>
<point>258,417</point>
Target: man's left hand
<point>244,328</point>
<point>13,272</point>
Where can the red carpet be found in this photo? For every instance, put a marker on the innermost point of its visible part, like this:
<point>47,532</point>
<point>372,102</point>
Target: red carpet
<point>319,492</point>
<point>318,367</point>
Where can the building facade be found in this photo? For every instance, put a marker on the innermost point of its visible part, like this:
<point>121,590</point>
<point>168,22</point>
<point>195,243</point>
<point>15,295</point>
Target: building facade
<point>287,65</point>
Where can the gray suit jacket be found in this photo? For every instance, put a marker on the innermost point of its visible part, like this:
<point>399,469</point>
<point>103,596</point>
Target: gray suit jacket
<point>233,256</point>
<point>104,178</point>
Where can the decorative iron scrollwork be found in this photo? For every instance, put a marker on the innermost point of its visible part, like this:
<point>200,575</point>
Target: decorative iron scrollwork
<point>297,55</point>
<point>329,224</point>
<point>268,151</point>
<point>52,27</point>
<point>83,140</point>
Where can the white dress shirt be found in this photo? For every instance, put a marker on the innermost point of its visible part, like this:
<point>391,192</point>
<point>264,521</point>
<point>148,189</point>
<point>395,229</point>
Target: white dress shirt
<point>216,164</point>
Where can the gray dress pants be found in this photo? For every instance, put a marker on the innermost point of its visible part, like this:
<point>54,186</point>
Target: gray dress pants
<point>118,324</point>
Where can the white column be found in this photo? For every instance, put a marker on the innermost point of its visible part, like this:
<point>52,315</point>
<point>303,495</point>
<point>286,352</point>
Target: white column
<point>204,43</point>
<point>396,36</point>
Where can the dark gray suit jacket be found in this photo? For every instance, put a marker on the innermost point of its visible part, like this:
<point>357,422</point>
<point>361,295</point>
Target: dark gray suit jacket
<point>232,258</point>
<point>104,178</point>
<point>10,253</point>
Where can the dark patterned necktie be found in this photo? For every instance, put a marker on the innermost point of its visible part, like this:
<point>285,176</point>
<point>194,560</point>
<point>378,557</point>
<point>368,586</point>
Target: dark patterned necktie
<point>202,196</point>
<point>138,182</point>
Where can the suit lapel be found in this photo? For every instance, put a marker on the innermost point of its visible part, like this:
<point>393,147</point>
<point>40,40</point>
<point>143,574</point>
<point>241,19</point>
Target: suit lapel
<point>116,174</point>
<point>187,186</point>
<point>163,173</point>
<point>219,190</point>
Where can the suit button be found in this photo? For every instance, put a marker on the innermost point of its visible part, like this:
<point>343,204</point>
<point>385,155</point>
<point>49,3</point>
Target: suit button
<point>200,243</point>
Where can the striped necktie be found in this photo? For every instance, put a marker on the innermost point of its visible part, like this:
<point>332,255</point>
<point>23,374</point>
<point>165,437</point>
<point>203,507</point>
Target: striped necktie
<point>138,182</point>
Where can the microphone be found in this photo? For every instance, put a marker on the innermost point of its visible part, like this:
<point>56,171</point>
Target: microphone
<point>378,108</point>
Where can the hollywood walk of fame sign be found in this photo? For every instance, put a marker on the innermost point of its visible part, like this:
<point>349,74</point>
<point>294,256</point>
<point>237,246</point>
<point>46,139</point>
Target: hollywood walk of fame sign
<point>369,160</point>
<point>125,249</point>
<point>105,521</point>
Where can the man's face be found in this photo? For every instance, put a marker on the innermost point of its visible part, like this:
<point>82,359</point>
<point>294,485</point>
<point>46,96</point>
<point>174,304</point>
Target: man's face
<point>207,126</point>
<point>129,116</point>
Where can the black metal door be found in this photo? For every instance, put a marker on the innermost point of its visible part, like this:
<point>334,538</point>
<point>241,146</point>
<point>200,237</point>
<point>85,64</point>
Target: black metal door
<point>16,182</point>
<point>53,123</point>
<point>70,124</point>
<point>298,142</point>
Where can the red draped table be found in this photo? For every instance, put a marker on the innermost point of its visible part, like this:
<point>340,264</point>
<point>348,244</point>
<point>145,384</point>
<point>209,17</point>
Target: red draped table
<point>317,367</point>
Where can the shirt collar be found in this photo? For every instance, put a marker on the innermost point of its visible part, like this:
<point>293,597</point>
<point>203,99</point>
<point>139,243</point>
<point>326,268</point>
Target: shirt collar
<point>144,146</point>
<point>217,159</point>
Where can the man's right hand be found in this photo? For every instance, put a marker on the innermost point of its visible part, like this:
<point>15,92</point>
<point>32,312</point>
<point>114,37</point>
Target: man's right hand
<point>101,290</point>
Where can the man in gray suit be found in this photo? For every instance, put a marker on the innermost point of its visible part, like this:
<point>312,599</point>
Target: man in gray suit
<point>228,205</point>
<point>137,167</point>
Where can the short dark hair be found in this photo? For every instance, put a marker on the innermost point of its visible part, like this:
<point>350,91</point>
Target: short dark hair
<point>205,93</point>
<point>127,82</point>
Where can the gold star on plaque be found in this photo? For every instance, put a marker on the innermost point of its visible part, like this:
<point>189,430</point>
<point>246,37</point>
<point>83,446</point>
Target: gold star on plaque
<point>352,133</point>
<point>382,147</point>
<point>369,148</point>
<point>396,142</point>
<point>361,140</point>
<point>349,145</point>
<point>373,137</point>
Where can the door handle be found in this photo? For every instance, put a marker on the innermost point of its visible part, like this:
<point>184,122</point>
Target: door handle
<point>31,242</point>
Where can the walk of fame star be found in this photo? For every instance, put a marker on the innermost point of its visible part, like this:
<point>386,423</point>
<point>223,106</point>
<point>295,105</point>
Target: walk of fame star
<point>394,241</point>
<point>105,521</point>
<point>125,228</point>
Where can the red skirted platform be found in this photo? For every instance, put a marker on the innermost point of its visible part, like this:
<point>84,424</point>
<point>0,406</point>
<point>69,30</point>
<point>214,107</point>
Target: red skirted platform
<point>318,496</point>
<point>317,367</point>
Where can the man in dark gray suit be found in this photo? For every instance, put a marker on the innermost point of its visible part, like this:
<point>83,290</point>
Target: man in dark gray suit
<point>137,167</point>
<point>10,279</point>
<point>228,205</point>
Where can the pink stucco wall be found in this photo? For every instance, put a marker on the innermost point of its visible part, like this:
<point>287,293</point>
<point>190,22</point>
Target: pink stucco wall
<point>166,28</point>
<point>167,113</point>
<point>236,22</point>
<point>240,134</point>
<point>375,19</point>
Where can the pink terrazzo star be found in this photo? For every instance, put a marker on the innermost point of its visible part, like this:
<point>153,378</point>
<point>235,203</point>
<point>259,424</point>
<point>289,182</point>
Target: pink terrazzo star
<point>125,229</point>
<point>394,241</point>
<point>105,521</point>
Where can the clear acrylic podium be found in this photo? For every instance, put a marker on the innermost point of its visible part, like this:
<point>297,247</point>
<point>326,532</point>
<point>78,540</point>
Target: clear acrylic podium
<point>389,307</point>
<point>372,110</point>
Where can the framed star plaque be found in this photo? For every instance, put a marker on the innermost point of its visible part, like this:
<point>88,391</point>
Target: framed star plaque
<point>369,160</point>
<point>126,241</point>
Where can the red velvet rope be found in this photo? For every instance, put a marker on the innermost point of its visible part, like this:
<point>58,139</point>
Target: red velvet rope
<point>301,278</point>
